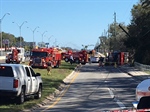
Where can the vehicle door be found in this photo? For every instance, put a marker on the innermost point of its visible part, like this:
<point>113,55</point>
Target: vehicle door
<point>29,81</point>
<point>34,81</point>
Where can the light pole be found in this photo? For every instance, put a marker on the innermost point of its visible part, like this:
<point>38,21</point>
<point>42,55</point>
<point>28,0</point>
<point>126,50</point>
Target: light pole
<point>49,39</point>
<point>33,33</point>
<point>20,29</point>
<point>43,35</point>
<point>1,29</point>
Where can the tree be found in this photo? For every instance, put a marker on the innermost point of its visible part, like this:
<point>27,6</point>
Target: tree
<point>117,37</point>
<point>139,29</point>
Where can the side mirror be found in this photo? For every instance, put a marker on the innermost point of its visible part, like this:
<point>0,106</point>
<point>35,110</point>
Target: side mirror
<point>38,74</point>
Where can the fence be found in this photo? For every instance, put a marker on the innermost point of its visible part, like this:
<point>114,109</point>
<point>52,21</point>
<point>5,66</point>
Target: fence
<point>142,66</point>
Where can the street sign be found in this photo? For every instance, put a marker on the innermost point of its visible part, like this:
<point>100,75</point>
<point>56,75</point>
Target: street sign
<point>46,43</point>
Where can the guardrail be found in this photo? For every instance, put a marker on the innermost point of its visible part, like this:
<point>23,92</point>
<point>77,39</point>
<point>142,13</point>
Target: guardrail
<point>142,66</point>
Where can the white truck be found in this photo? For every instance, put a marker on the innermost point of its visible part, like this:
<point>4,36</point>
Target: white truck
<point>19,81</point>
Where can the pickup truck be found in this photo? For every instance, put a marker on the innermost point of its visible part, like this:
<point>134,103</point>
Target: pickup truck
<point>19,81</point>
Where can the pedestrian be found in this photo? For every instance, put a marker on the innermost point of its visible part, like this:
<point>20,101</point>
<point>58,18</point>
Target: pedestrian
<point>89,60</point>
<point>71,59</point>
<point>101,59</point>
<point>15,55</point>
<point>49,67</point>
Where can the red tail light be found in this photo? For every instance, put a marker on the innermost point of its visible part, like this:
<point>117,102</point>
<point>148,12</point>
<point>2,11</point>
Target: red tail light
<point>16,83</point>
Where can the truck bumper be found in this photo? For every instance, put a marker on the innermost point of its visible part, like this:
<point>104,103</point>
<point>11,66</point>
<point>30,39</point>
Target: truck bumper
<point>8,93</point>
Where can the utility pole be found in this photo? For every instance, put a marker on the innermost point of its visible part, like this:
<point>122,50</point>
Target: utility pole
<point>108,30</point>
<point>114,24</point>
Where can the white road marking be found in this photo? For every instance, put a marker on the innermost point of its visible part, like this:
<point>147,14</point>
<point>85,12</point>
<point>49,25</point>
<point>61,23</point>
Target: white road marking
<point>121,105</point>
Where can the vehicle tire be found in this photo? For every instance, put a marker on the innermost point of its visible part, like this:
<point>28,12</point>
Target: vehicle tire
<point>66,59</point>
<point>39,93</point>
<point>57,66</point>
<point>6,62</point>
<point>83,63</point>
<point>77,61</point>
<point>20,99</point>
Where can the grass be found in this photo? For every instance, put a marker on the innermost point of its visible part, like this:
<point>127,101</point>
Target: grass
<point>50,84</point>
<point>147,72</point>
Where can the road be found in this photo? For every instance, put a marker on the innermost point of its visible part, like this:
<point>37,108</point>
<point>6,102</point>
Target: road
<point>95,89</point>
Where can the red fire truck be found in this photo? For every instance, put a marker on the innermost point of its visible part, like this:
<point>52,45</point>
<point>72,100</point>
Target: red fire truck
<point>120,58</point>
<point>79,57</point>
<point>41,56</point>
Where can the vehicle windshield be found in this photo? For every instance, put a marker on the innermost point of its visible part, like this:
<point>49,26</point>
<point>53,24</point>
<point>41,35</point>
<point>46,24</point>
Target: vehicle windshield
<point>39,54</point>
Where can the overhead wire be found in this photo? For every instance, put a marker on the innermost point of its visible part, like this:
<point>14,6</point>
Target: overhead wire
<point>127,16</point>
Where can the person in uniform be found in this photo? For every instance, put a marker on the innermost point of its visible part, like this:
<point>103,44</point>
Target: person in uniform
<point>49,67</point>
<point>15,54</point>
<point>71,59</point>
<point>101,60</point>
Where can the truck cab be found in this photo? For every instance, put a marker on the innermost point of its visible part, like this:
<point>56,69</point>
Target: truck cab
<point>41,56</point>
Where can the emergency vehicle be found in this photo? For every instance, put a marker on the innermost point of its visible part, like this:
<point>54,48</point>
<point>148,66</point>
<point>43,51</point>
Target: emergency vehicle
<point>66,55</point>
<point>142,95</point>
<point>78,56</point>
<point>41,56</point>
<point>16,55</point>
<point>119,58</point>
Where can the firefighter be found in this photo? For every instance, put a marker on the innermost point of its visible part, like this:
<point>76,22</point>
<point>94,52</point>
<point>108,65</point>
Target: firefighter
<point>101,60</point>
<point>15,55</point>
<point>49,67</point>
<point>71,59</point>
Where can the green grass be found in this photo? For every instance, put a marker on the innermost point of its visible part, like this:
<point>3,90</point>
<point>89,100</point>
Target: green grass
<point>147,72</point>
<point>50,83</point>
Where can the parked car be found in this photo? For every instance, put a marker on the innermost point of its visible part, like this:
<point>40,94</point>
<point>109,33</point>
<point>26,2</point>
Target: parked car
<point>94,59</point>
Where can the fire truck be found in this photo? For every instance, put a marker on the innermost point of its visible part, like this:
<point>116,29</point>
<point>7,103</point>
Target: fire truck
<point>41,56</point>
<point>119,58</point>
<point>16,55</point>
<point>79,56</point>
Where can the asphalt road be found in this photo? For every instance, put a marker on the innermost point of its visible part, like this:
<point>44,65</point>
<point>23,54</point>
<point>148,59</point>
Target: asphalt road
<point>95,89</point>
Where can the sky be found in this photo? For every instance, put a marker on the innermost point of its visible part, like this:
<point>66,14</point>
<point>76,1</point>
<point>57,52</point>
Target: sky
<point>66,23</point>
